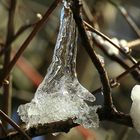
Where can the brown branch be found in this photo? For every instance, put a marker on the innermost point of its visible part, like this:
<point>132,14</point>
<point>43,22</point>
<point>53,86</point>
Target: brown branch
<point>23,29</point>
<point>129,20</point>
<point>54,127</point>
<point>17,34</point>
<point>65,126</point>
<point>75,7</point>
<point>37,27</point>
<point>7,99</point>
<point>12,123</point>
<point>110,41</point>
<point>117,56</point>
<point>119,77</point>
<point>127,71</point>
<point>114,116</point>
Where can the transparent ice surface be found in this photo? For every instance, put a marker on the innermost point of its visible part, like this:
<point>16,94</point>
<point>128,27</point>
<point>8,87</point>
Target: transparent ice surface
<point>60,95</point>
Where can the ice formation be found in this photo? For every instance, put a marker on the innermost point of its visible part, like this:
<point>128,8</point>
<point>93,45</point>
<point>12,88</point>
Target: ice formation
<point>135,108</point>
<point>60,95</point>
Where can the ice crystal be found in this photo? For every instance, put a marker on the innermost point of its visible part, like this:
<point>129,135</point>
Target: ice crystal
<point>135,108</point>
<point>60,95</point>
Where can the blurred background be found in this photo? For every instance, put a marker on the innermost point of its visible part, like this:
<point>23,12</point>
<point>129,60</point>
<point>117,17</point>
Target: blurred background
<point>32,66</point>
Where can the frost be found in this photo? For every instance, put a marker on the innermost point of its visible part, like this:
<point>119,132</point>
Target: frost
<point>135,108</point>
<point>60,95</point>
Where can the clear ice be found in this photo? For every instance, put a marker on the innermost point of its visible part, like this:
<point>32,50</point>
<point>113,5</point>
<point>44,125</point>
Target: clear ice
<point>60,95</point>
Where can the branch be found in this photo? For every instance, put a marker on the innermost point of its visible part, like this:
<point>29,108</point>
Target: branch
<point>119,77</point>
<point>65,126</point>
<point>17,34</point>
<point>114,116</point>
<point>60,126</point>
<point>37,27</point>
<point>7,56</point>
<point>12,123</point>
<point>110,41</point>
<point>75,7</point>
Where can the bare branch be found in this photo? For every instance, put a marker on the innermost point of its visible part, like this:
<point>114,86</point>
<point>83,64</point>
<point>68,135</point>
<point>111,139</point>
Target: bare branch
<point>119,77</point>
<point>109,40</point>
<point>12,123</point>
<point>75,6</point>
<point>7,56</point>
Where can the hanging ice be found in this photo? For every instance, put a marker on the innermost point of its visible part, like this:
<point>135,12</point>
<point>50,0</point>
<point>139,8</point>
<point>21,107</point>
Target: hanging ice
<point>135,108</point>
<point>60,95</point>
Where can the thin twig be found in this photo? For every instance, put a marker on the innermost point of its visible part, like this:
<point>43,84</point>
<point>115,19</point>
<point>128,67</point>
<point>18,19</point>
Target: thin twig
<point>37,27</point>
<point>114,55</point>
<point>65,126</point>
<point>12,123</point>
<point>17,34</point>
<point>110,41</point>
<point>119,77</point>
<point>125,14</point>
<point>75,7</point>
<point>127,71</point>
<point>23,29</point>
<point>7,99</point>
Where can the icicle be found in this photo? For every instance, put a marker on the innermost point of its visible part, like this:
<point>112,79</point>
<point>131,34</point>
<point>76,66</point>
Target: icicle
<point>60,95</point>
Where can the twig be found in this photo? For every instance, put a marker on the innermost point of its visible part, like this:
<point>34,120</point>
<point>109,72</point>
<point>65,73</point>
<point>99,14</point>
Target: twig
<point>116,56</point>
<point>110,41</point>
<point>119,77</point>
<point>127,71</point>
<point>12,123</point>
<point>10,33</point>
<point>75,7</point>
<point>65,126</point>
<point>37,27</point>
<point>17,34</point>
<point>22,29</point>
<point>125,14</point>
<point>54,127</point>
